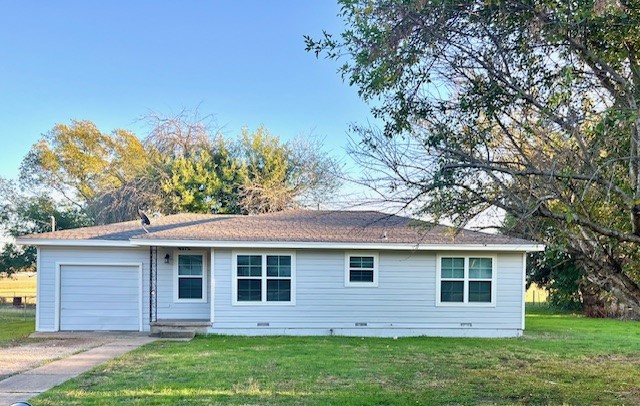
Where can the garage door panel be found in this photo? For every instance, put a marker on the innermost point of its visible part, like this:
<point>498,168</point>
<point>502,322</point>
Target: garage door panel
<point>83,269</point>
<point>73,291</point>
<point>104,283</point>
<point>99,297</point>
<point>122,318</point>
<point>99,325</point>
<point>124,314</point>
<point>99,306</point>
<point>102,298</point>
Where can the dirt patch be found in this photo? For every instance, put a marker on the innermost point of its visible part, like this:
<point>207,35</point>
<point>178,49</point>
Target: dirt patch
<point>25,356</point>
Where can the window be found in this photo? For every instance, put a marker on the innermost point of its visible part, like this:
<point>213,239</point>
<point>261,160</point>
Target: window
<point>466,280</point>
<point>452,284</point>
<point>480,280</point>
<point>361,270</point>
<point>249,278</point>
<point>263,278</point>
<point>190,275</point>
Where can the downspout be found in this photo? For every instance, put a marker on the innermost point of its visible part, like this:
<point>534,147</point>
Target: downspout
<point>153,284</point>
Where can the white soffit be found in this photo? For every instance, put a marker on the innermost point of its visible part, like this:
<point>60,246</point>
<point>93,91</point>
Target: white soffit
<point>284,245</point>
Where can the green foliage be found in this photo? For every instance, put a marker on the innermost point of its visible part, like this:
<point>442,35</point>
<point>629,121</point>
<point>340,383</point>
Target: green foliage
<point>231,173</point>
<point>23,214</point>
<point>267,185</point>
<point>530,107</point>
<point>179,167</point>
<point>69,156</point>
<point>279,176</point>
<point>14,259</point>
<point>192,183</point>
<point>556,271</point>
<point>79,161</point>
<point>264,156</point>
<point>204,181</point>
<point>92,170</point>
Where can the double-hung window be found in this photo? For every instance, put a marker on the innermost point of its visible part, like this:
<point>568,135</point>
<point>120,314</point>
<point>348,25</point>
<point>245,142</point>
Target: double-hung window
<point>264,278</point>
<point>190,277</point>
<point>361,269</point>
<point>466,280</point>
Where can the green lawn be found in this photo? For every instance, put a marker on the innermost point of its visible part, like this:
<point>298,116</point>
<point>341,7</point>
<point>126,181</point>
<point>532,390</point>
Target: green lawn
<point>563,359</point>
<point>15,324</point>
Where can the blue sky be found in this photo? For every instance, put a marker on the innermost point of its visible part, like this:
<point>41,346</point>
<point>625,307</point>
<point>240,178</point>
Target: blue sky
<point>113,62</point>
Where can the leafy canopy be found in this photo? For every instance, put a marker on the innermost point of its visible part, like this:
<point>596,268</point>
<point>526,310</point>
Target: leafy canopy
<point>532,107</point>
<point>21,214</point>
<point>180,167</point>
<point>83,176</point>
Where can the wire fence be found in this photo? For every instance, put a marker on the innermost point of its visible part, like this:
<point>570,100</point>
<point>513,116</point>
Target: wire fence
<point>20,306</point>
<point>18,301</point>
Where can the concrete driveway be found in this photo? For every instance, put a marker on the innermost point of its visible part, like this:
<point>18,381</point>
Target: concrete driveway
<point>25,370</point>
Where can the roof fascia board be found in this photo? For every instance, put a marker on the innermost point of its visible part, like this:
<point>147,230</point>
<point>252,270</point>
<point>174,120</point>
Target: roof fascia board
<point>340,245</point>
<point>283,244</point>
<point>74,243</point>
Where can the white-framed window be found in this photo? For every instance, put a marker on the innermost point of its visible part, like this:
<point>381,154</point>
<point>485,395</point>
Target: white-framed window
<point>468,280</point>
<point>360,269</point>
<point>263,278</point>
<point>190,276</point>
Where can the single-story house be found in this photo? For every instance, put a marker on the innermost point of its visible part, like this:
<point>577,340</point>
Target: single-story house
<point>298,272</point>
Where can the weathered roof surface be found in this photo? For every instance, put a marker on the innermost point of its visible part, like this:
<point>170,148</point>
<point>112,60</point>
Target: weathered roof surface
<point>121,231</point>
<point>288,226</point>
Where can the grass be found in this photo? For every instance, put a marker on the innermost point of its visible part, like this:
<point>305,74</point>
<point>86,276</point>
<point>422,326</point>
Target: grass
<point>563,359</point>
<point>15,324</point>
<point>20,284</point>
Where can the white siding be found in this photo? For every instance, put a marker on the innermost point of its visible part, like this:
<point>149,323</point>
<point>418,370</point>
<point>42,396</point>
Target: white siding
<point>403,301</point>
<point>167,307</point>
<point>402,304</point>
<point>50,256</point>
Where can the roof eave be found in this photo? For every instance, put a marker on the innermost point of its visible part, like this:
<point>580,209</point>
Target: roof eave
<point>339,245</point>
<point>137,242</point>
<point>73,242</point>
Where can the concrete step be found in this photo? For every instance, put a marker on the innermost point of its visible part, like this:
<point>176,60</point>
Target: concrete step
<point>179,328</point>
<point>174,334</point>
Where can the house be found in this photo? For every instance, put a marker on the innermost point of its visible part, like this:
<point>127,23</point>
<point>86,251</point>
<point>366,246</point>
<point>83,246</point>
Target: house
<point>297,272</point>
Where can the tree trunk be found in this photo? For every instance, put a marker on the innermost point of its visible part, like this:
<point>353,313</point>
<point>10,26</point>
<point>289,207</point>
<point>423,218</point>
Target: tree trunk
<point>619,285</point>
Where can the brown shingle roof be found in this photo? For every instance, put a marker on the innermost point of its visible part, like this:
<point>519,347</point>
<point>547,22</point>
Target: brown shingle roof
<point>121,231</point>
<point>288,226</point>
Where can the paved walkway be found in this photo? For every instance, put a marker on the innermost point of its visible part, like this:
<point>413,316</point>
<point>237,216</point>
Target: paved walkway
<point>32,382</point>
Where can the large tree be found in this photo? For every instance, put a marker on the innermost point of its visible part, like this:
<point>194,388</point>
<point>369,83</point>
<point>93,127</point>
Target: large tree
<point>104,175</point>
<point>280,176</point>
<point>532,107</point>
<point>22,213</point>
<point>198,169</point>
<point>181,166</point>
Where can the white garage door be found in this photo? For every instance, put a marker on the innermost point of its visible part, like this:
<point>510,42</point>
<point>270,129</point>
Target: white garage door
<point>99,297</point>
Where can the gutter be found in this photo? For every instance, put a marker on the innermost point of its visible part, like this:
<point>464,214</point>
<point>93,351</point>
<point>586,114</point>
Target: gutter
<point>283,245</point>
